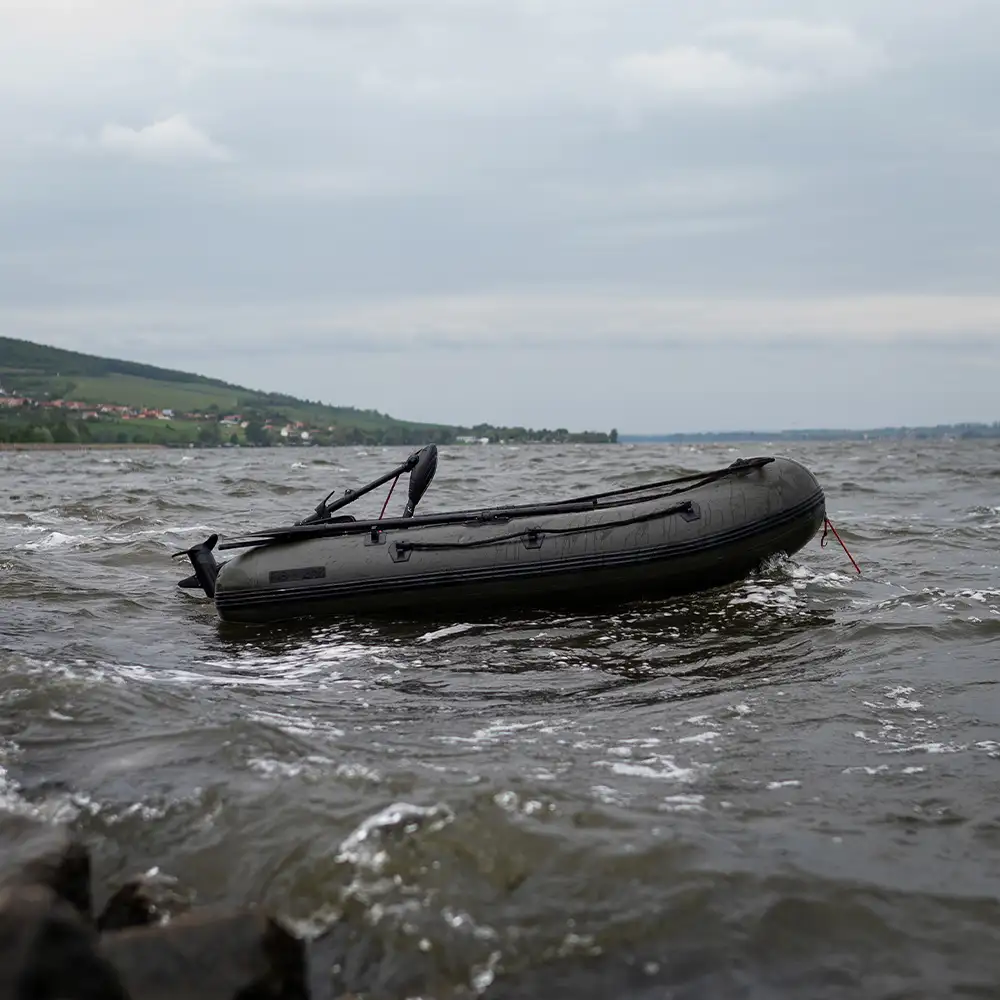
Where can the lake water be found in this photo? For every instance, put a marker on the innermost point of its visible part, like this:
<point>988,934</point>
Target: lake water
<point>789,787</point>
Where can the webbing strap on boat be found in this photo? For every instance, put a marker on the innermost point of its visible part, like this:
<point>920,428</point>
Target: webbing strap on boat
<point>530,533</point>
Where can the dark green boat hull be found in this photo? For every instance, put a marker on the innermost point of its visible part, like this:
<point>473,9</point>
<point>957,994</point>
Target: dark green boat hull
<point>646,549</point>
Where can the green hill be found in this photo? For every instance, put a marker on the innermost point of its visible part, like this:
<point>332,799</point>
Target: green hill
<point>45,374</point>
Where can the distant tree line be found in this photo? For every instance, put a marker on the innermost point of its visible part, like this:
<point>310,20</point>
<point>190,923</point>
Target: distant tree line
<point>963,431</point>
<point>42,425</point>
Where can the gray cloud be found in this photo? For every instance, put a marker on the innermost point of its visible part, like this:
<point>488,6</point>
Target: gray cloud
<point>246,184</point>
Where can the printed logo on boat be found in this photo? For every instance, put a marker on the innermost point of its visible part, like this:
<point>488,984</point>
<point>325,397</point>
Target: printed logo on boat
<point>294,575</point>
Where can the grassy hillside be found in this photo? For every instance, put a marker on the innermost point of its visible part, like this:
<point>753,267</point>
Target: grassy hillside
<point>25,357</point>
<point>48,373</point>
<point>53,373</point>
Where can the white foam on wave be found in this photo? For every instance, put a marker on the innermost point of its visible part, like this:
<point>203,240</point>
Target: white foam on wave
<point>292,725</point>
<point>893,740</point>
<point>459,920</point>
<point>511,802</point>
<point>309,668</point>
<point>449,630</point>
<point>930,747</point>
<point>98,537</point>
<point>683,803</point>
<point>313,767</point>
<point>657,767</point>
<point>54,540</point>
<point>77,671</point>
<point>626,747</point>
<point>369,850</point>
<point>501,729</point>
<point>899,700</point>
<point>188,678</point>
<point>314,663</point>
<point>365,846</point>
<point>788,596</point>
<point>182,529</point>
<point>709,736</point>
<point>302,672</point>
<point>903,728</point>
<point>55,809</point>
<point>609,796</point>
<point>67,807</point>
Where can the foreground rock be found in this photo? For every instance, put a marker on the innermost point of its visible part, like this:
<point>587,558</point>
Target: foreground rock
<point>205,956</point>
<point>47,949</point>
<point>53,945</point>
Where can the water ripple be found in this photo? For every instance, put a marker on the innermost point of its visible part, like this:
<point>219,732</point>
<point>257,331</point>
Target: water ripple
<point>793,776</point>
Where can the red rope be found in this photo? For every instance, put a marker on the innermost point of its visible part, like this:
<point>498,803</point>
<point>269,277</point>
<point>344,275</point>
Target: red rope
<point>827,523</point>
<point>389,497</point>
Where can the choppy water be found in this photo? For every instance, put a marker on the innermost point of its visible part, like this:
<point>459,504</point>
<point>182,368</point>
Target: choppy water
<point>785,788</point>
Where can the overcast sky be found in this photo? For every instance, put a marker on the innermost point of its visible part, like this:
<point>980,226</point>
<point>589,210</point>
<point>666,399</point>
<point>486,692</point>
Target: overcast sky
<point>584,213</point>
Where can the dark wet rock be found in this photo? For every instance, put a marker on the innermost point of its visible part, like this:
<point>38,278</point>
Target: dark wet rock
<point>142,901</point>
<point>130,906</point>
<point>52,947</point>
<point>211,957</point>
<point>33,853</point>
<point>49,950</point>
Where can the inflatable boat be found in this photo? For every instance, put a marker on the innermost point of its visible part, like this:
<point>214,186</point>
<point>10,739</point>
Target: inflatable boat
<point>669,537</point>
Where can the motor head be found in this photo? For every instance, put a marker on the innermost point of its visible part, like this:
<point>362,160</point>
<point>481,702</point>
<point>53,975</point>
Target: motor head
<point>420,476</point>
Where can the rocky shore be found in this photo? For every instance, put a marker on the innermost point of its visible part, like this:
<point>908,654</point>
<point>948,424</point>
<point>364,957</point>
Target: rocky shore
<point>143,943</point>
<point>55,943</point>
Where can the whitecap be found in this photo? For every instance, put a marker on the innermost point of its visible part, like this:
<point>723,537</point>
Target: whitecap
<point>683,803</point>
<point>658,767</point>
<point>448,630</point>
<point>705,737</point>
<point>363,846</point>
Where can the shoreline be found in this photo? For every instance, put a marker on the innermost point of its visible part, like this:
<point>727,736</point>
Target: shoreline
<point>132,446</point>
<point>73,446</point>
